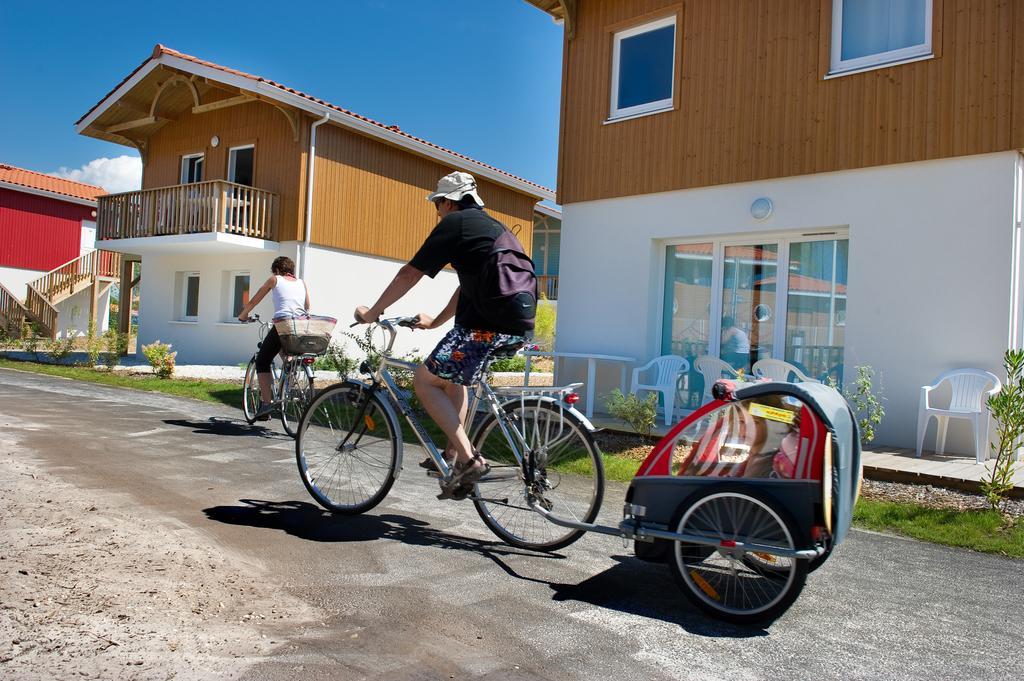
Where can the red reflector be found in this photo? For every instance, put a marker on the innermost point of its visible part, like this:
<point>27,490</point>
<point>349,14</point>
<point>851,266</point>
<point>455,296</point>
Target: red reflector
<point>572,398</point>
<point>727,543</point>
<point>308,360</point>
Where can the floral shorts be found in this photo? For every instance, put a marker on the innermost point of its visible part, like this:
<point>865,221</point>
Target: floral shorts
<point>461,355</point>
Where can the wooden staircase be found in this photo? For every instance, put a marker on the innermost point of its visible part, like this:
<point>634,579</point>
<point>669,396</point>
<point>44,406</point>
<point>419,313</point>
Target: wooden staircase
<point>97,269</point>
<point>12,313</point>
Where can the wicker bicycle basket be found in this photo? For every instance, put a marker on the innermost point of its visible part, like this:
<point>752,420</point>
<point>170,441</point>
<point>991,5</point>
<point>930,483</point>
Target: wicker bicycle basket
<point>306,334</point>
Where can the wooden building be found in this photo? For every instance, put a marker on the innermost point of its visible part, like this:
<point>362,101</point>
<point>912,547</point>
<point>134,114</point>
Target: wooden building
<point>843,179</point>
<point>238,169</point>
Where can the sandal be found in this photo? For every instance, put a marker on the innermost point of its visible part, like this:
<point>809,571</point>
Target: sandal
<point>428,463</point>
<point>464,477</point>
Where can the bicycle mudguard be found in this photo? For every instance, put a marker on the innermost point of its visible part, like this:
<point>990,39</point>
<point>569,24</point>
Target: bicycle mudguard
<point>568,408</point>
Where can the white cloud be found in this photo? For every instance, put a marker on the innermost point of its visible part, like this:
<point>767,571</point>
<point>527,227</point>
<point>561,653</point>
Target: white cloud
<point>121,174</point>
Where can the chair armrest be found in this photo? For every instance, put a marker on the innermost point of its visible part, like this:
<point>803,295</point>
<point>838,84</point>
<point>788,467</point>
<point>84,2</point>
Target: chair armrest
<point>925,389</point>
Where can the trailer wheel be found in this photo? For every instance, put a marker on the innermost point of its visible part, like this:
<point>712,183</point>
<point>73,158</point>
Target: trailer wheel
<point>726,581</point>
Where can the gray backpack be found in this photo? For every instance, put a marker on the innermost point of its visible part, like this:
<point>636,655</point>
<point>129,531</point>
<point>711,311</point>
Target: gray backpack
<point>505,291</point>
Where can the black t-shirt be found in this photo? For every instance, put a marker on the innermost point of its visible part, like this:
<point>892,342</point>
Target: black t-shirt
<point>464,239</point>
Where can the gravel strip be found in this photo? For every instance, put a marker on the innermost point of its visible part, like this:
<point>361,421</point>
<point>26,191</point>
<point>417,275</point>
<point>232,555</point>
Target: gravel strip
<point>934,497</point>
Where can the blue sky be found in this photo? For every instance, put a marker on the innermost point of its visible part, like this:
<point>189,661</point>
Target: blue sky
<point>481,78</point>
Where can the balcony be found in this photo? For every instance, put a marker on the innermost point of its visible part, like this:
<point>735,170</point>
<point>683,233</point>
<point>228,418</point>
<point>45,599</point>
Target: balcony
<point>215,215</point>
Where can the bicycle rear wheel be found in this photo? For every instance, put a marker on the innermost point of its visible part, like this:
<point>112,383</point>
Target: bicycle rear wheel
<point>298,392</point>
<point>251,393</point>
<point>568,476</point>
<point>347,449</point>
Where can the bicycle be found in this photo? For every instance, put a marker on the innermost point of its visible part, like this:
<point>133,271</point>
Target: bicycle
<point>541,450</point>
<point>291,385</point>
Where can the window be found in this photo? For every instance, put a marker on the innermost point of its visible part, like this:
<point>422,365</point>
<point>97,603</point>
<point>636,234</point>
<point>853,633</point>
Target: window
<point>190,297</point>
<point>239,292</point>
<point>240,165</point>
<point>191,168</point>
<point>643,68</point>
<point>727,299</point>
<point>871,33</point>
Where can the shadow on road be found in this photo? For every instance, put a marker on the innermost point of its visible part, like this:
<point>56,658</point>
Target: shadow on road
<point>224,426</point>
<point>631,586</point>
<point>308,521</point>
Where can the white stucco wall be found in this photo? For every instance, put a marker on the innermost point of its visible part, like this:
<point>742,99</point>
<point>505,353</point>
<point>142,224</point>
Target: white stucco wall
<point>930,266</point>
<point>338,282</point>
<point>73,313</point>
<point>15,280</point>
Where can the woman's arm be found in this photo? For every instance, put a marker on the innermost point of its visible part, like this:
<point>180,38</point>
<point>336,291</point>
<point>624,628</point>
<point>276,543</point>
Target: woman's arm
<point>268,285</point>
<point>307,294</point>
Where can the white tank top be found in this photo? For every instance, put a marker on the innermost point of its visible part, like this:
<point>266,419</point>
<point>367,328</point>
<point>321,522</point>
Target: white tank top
<point>289,297</point>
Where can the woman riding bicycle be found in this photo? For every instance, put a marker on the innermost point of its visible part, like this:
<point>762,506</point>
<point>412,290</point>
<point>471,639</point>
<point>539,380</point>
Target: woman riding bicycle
<point>291,297</point>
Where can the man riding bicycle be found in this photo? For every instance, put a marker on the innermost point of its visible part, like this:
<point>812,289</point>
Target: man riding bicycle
<point>465,238</point>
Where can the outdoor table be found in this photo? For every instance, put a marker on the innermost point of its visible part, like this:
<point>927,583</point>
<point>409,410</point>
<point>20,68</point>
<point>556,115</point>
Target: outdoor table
<point>592,360</point>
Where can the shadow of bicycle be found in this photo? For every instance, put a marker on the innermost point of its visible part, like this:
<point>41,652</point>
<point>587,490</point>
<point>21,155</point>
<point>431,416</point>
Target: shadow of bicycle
<point>221,427</point>
<point>310,522</point>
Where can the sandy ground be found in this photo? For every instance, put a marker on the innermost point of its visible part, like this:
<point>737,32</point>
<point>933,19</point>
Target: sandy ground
<point>93,587</point>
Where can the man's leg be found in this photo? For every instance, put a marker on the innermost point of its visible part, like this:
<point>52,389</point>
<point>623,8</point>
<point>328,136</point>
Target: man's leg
<point>446,403</point>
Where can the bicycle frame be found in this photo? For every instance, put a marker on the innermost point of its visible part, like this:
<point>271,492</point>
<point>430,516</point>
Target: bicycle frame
<point>482,393</point>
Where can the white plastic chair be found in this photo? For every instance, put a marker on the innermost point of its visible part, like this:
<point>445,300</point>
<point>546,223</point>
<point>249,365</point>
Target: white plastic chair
<point>969,402</point>
<point>778,370</point>
<point>712,369</point>
<point>666,372</point>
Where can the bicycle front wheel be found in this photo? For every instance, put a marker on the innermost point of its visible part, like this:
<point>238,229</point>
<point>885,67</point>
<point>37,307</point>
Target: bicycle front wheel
<point>297,393</point>
<point>251,393</point>
<point>568,476</point>
<point>347,449</point>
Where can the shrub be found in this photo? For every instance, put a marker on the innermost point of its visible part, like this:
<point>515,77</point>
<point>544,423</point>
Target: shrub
<point>59,348</point>
<point>1007,408</point>
<point>30,338</point>
<point>336,359</point>
<point>93,345</point>
<point>866,406</point>
<point>514,364</point>
<point>544,326</point>
<point>116,344</point>
<point>641,415</point>
<point>160,358</point>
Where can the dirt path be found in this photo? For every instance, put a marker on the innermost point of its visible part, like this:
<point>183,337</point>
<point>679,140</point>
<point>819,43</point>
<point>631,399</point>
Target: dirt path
<point>93,586</point>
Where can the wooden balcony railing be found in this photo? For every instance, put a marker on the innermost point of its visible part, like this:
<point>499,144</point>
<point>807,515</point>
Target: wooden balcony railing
<point>547,285</point>
<point>214,206</point>
<point>72,276</point>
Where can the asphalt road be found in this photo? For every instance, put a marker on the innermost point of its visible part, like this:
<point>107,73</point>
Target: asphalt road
<point>430,593</point>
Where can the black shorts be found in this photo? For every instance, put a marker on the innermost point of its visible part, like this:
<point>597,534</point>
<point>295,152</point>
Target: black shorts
<point>268,351</point>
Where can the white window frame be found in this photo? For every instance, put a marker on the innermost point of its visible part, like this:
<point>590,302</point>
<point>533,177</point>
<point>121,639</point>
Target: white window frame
<point>185,276</point>
<point>232,157</point>
<point>649,107</point>
<point>718,246</point>
<point>234,274</point>
<point>185,158</point>
<point>839,66</point>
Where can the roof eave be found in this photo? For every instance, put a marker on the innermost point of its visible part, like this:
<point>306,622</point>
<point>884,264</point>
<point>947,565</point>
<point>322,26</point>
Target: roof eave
<point>48,194</point>
<point>304,104</point>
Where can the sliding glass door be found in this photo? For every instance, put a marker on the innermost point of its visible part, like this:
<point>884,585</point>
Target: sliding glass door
<point>741,301</point>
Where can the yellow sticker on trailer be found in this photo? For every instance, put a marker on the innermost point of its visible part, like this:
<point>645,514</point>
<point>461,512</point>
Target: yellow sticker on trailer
<point>772,413</point>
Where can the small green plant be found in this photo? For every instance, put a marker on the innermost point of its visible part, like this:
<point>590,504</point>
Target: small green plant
<point>160,358</point>
<point>544,325</point>
<point>1007,408</point>
<point>93,345</point>
<point>336,359</point>
<point>30,338</point>
<point>59,348</point>
<point>640,414</point>
<point>516,363</point>
<point>866,405</point>
<point>116,345</point>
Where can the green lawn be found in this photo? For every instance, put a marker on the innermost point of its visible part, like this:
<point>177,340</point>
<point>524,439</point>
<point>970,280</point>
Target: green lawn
<point>977,530</point>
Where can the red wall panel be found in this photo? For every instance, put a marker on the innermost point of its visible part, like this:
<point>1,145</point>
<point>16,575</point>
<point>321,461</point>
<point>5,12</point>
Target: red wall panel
<point>39,233</point>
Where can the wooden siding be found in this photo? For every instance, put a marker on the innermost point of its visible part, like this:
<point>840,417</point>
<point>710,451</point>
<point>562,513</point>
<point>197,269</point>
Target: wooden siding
<point>754,104</point>
<point>38,232</point>
<point>279,158</point>
<point>369,197</point>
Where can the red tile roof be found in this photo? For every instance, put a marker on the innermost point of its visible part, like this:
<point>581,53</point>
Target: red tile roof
<point>48,183</point>
<point>159,50</point>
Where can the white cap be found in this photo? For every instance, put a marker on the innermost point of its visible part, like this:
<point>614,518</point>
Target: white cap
<point>455,187</point>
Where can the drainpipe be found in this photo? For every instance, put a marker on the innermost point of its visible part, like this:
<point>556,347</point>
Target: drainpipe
<point>309,192</point>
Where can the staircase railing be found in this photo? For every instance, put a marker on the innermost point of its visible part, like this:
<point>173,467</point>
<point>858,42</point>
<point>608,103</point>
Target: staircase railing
<point>42,311</point>
<point>60,282</point>
<point>12,313</point>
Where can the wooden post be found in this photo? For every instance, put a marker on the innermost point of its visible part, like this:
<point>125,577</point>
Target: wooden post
<point>223,208</point>
<point>94,290</point>
<point>124,312</point>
